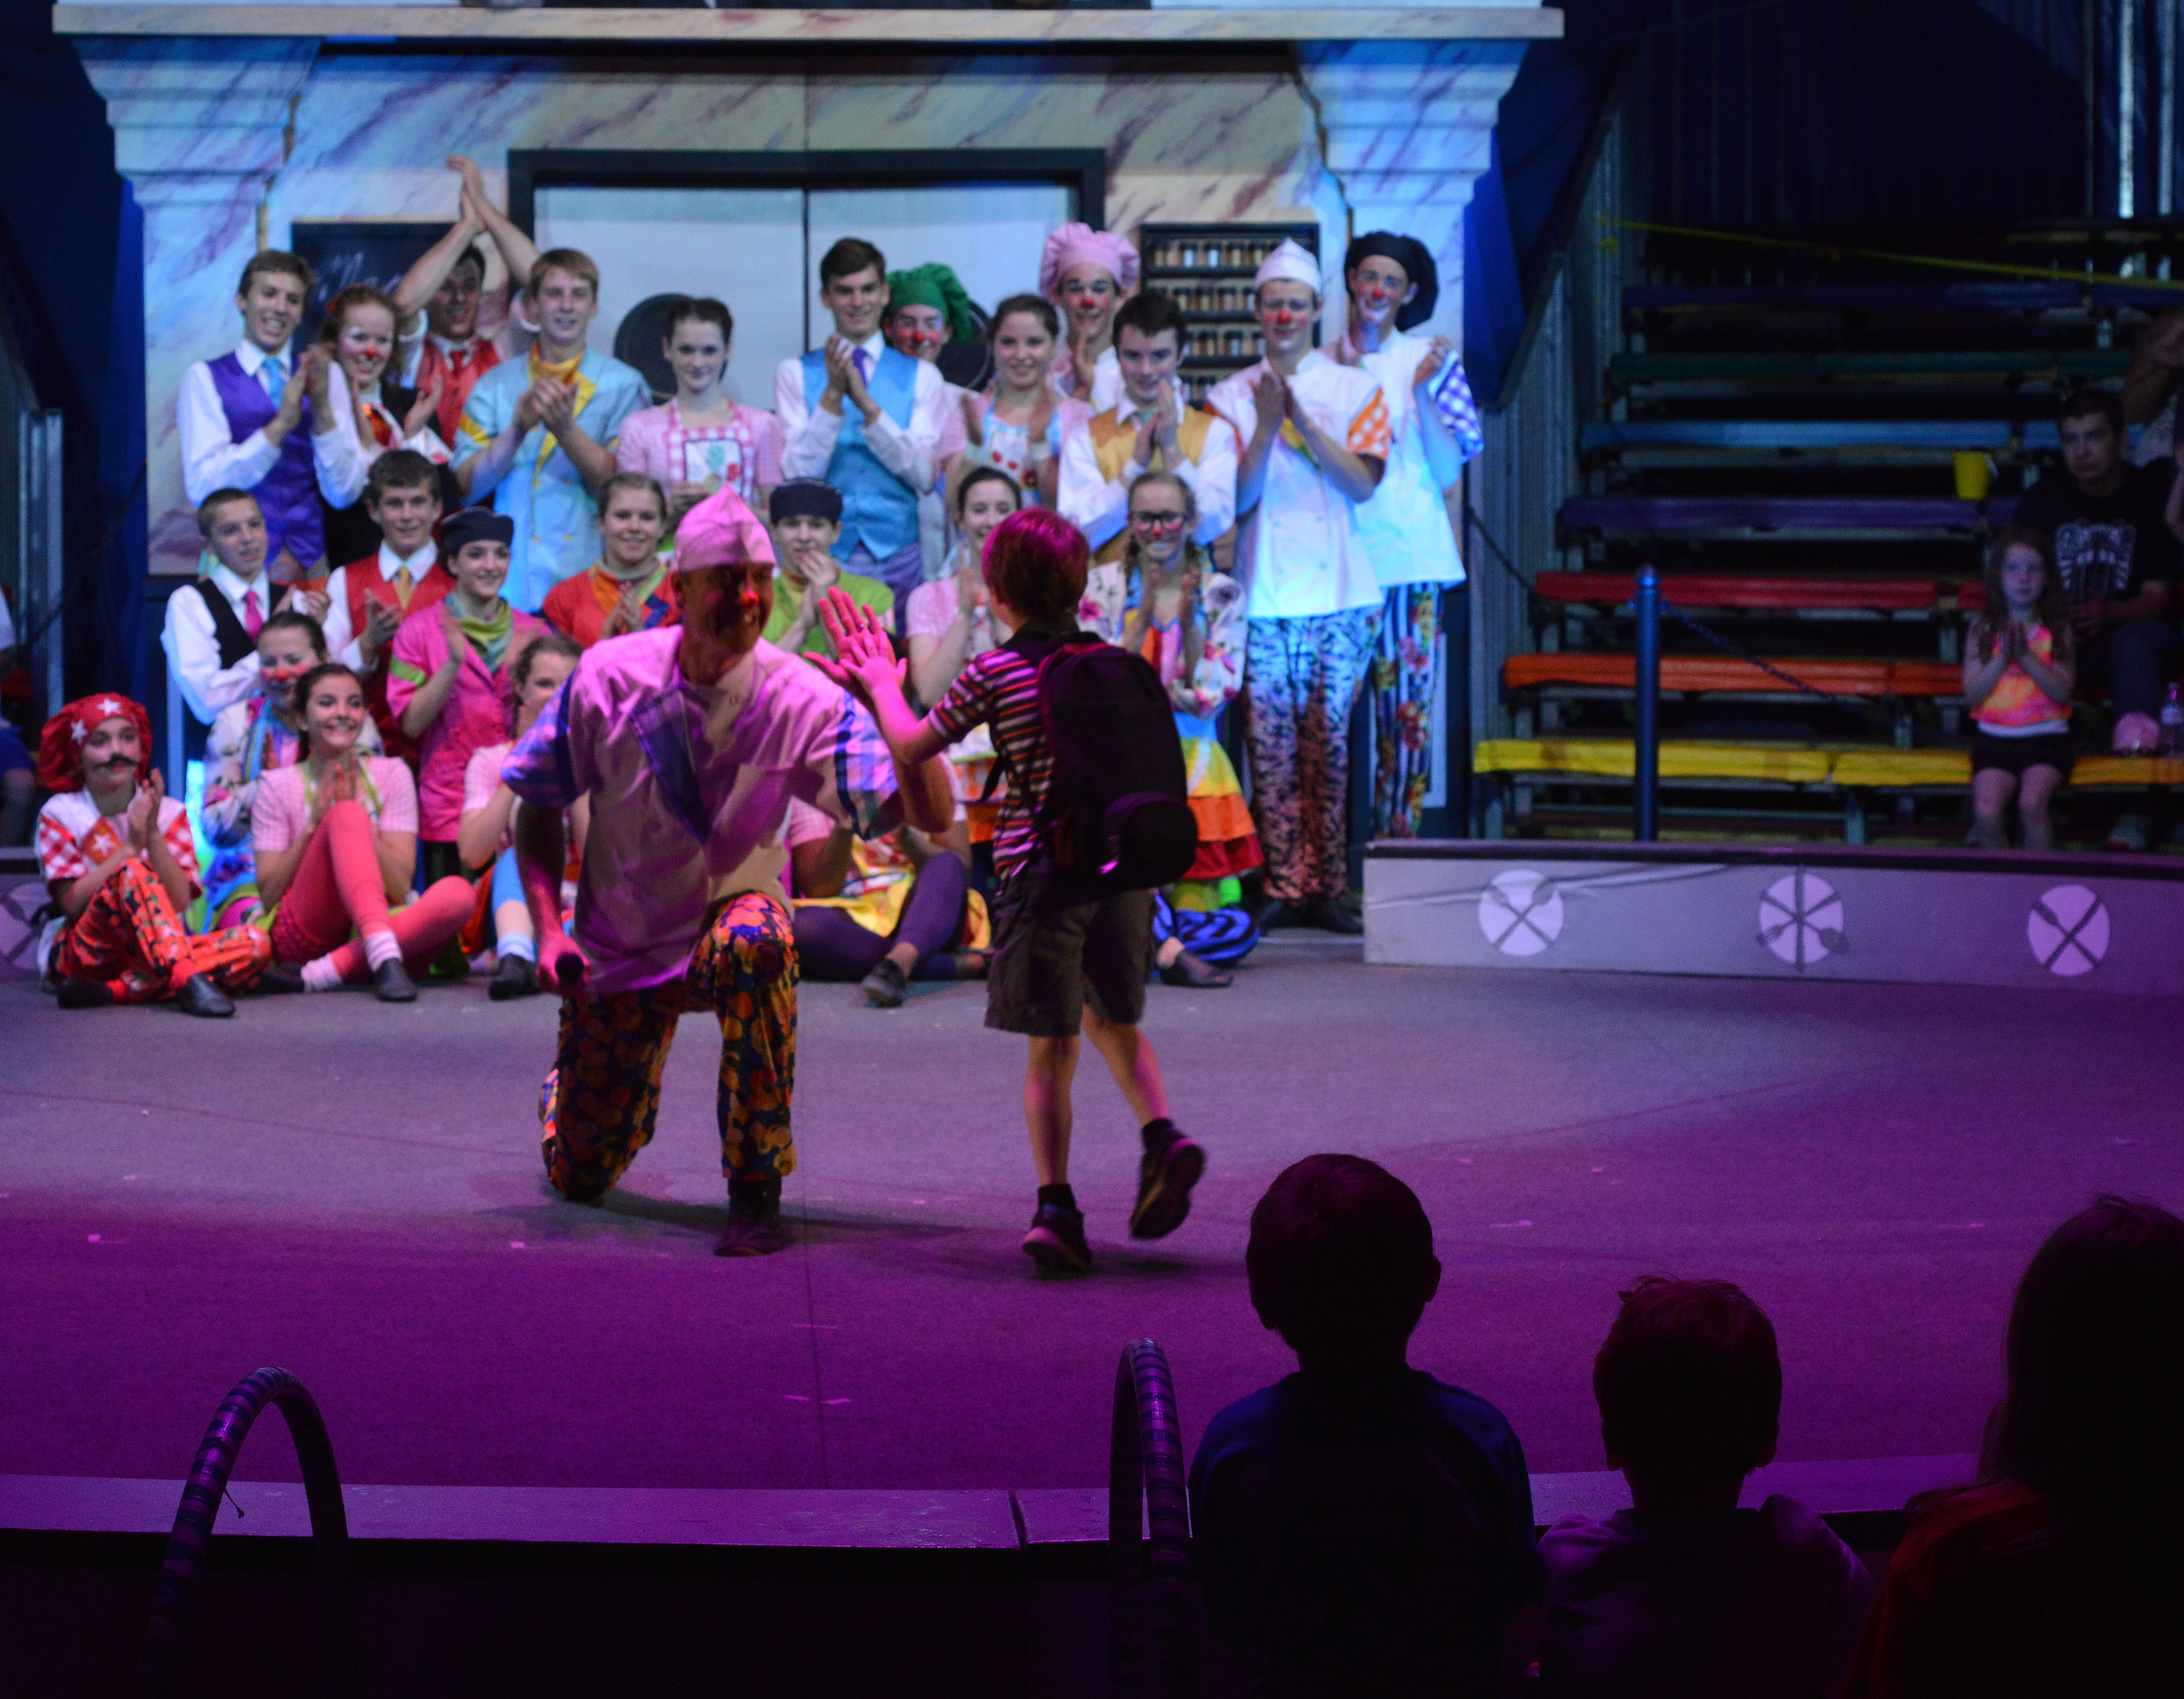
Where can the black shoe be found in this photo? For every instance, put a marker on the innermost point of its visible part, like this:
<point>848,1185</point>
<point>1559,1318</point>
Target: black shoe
<point>755,1228</point>
<point>1165,1179</point>
<point>85,993</point>
<point>200,996</point>
<point>513,977</point>
<point>1056,1240</point>
<point>282,978</point>
<point>885,986</point>
<point>1280,913</point>
<point>390,982</point>
<point>1188,969</point>
<point>1332,914</point>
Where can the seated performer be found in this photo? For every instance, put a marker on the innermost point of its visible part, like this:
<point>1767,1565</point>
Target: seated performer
<point>542,668</point>
<point>248,740</point>
<point>115,852</point>
<point>1150,427</point>
<point>1406,530</point>
<point>629,588</point>
<point>807,524</point>
<point>1164,600</point>
<point>368,600</point>
<point>881,914</point>
<point>704,439</point>
<point>371,416</point>
<point>1087,272</point>
<point>868,420</point>
<point>692,740</point>
<point>539,435</point>
<point>336,841</point>
<point>951,622</point>
<point>458,320</point>
<point>448,682</point>
<point>247,422</point>
<point>1021,422</point>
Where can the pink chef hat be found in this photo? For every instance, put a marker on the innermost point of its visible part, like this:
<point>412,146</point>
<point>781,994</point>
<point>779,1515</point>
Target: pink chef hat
<point>1079,244</point>
<point>721,531</point>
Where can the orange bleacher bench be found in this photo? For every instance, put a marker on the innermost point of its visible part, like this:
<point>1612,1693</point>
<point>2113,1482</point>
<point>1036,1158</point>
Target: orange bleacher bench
<point>1699,590</point>
<point>1707,673</point>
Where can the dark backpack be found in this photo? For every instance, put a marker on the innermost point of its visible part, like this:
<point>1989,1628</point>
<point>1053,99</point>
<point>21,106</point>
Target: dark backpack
<point>1117,815</point>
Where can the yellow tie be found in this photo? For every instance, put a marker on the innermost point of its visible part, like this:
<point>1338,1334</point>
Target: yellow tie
<point>404,582</point>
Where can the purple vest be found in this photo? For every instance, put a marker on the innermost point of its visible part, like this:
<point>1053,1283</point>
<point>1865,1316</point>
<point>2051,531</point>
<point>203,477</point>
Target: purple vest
<point>288,495</point>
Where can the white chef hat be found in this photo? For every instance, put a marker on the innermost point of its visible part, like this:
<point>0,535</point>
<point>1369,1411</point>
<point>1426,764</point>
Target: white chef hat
<point>1288,264</point>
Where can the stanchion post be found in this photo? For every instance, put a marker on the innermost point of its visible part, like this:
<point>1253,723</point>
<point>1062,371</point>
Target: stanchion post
<point>1646,827</point>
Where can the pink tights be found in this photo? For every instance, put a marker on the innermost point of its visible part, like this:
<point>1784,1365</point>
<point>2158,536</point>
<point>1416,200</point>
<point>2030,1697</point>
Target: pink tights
<point>338,890</point>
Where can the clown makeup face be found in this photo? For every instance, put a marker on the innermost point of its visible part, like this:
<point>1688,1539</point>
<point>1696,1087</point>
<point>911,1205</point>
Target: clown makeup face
<point>548,673</point>
<point>271,308</point>
<point>1023,351</point>
<point>480,568</point>
<point>1379,290</point>
<point>285,654</point>
<point>728,606</point>
<point>921,332</point>
<point>112,754</point>
<point>1286,312</point>
<point>454,308</point>
<point>1160,514</point>
<point>1089,295</point>
<point>235,531</point>
<point>334,715</point>
<point>365,342</point>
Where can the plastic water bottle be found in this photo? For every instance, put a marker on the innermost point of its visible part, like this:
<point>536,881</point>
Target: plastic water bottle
<point>2172,725</point>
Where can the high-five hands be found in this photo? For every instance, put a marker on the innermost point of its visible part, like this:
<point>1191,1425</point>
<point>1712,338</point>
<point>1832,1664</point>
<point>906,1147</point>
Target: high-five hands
<point>864,659</point>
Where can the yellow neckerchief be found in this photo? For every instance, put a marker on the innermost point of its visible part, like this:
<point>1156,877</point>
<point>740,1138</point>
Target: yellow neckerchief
<point>568,372</point>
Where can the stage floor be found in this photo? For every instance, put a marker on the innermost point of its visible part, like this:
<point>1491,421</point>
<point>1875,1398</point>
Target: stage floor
<point>354,1192</point>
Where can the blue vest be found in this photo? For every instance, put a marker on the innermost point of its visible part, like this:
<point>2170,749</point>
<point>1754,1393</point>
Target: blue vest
<point>878,509</point>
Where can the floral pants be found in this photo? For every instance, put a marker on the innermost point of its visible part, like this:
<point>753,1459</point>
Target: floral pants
<point>1303,677</point>
<point>131,936</point>
<point>1403,679</point>
<point>603,1097</point>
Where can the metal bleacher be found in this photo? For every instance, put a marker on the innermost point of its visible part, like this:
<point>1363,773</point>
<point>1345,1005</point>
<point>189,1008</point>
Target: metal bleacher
<point>1784,450</point>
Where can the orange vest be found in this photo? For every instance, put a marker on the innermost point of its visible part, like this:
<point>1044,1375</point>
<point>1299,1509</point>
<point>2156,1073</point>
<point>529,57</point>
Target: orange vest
<point>1113,442</point>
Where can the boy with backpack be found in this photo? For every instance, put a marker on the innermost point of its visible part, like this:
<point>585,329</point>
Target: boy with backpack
<point>1094,818</point>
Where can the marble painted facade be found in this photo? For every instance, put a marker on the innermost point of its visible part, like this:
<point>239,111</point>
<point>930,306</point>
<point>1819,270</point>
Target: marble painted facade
<point>227,141</point>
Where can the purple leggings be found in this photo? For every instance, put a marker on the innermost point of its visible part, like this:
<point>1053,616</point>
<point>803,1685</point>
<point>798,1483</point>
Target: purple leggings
<point>831,947</point>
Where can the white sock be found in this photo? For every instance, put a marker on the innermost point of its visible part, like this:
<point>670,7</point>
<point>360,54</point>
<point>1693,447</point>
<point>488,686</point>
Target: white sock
<point>321,975</point>
<point>381,948</point>
<point>517,944</point>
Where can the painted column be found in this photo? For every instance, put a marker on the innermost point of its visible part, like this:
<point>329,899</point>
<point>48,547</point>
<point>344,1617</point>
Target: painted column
<point>199,132</point>
<point>1405,128</point>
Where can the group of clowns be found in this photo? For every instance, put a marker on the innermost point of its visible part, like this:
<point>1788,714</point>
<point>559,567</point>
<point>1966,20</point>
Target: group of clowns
<point>476,623</point>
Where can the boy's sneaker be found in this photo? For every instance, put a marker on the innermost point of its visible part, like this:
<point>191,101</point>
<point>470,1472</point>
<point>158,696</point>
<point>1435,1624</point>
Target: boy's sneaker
<point>1165,1179</point>
<point>887,984</point>
<point>1057,1239</point>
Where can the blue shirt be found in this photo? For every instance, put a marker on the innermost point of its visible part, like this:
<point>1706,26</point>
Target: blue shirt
<point>1362,1537</point>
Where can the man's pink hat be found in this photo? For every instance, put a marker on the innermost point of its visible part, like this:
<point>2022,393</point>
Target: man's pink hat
<point>1079,244</point>
<point>721,531</point>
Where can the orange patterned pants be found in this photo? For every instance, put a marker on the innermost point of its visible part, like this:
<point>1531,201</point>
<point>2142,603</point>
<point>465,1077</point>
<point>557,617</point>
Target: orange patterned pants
<point>603,1097</point>
<point>131,936</point>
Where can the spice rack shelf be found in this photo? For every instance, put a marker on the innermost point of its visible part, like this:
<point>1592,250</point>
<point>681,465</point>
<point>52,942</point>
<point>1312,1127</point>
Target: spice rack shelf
<point>1207,269</point>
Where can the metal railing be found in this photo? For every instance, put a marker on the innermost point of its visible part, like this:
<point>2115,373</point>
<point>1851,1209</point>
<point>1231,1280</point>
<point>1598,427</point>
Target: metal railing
<point>174,1600</point>
<point>1149,1534</point>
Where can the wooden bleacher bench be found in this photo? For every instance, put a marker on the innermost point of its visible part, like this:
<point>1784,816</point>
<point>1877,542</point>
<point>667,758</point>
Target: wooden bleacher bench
<point>1712,674</point>
<point>1951,435</point>
<point>1876,769</point>
<point>1703,590</point>
<point>1786,519</point>
<point>1681,760</point>
<point>2060,365</point>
